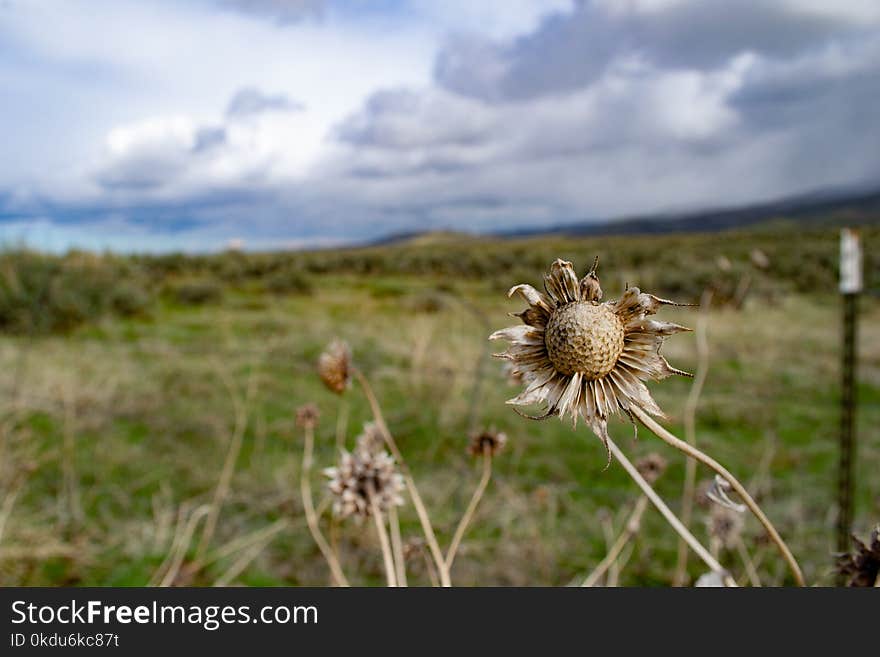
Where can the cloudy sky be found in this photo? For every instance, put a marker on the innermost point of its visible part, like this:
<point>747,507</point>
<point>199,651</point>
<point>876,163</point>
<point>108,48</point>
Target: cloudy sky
<point>160,124</point>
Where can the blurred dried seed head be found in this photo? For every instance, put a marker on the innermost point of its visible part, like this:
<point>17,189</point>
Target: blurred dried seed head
<point>334,366</point>
<point>358,476</point>
<point>413,547</point>
<point>651,467</point>
<point>759,259</point>
<point>371,438</point>
<point>307,416</point>
<point>862,566</point>
<point>725,525</point>
<point>490,439</point>
<point>701,494</point>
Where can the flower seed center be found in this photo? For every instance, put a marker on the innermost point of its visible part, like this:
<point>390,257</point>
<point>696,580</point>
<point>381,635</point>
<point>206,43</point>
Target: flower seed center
<point>584,337</point>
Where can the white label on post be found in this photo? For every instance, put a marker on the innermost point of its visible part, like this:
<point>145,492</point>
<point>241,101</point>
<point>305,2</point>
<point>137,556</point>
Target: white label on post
<point>850,262</point>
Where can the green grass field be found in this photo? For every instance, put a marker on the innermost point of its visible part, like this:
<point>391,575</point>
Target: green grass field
<point>116,421</point>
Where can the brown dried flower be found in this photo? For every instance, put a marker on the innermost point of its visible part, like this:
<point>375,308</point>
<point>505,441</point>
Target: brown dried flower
<point>725,525</point>
<point>585,358</point>
<point>334,366</point>
<point>358,476</point>
<point>491,438</point>
<point>862,566</point>
<point>307,416</point>
<point>651,467</point>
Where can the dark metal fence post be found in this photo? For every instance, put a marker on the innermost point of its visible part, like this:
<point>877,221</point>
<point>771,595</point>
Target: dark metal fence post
<point>850,287</point>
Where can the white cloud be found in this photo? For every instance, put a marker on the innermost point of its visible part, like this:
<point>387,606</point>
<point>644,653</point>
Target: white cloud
<point>189,120</point>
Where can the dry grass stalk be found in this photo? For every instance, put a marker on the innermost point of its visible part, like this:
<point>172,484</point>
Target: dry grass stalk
<point>690,430</point>
<point>397,546</point>
<point>694,453</point>
<point>629,531</point>
<point>387,558</point>
<point>240,407</point>
<point>305,484</point>
<point>472,505</point>
<point>180,546</point>
<point>419,505</point>
<point>670,517</point>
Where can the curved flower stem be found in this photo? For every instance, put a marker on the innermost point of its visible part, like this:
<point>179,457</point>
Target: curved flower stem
<point>472,506</point>
<point>383,538</point>
<point>407,478</point>
<point>690,431</point>
<point>305,488</point>
<point>630,530</point>
<point>397,546</point>
<point>708,461</point>
<point>683,531</point>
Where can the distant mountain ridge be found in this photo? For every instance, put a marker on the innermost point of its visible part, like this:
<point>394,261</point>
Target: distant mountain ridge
<point>833,207</point>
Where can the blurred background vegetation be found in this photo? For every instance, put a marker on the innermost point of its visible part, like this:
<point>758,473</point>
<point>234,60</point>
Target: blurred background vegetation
<point>124,379</point>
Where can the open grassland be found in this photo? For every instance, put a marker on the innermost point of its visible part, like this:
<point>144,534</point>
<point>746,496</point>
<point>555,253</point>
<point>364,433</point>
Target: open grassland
<point>124,380</point>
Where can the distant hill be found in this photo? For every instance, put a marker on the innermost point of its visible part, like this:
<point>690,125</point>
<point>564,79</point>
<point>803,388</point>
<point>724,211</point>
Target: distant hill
<point>828,208</point>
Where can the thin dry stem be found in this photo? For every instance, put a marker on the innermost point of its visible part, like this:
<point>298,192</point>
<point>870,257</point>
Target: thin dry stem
<point>247,541</point>
<point>305,488</point>
<point>690,430</point>
<point>670,517</point>
<point>181,545</point>
<point>630,529</point>
<point>241,563</point>
<point>397,546</point>
<point>71,486</point>
<point>341,424</point>
<point>235,442</point>
<point>751,571</point>
<point>471,507</point>
<point>422,512</point>
<point>387,558</point>
<point>694,453</point>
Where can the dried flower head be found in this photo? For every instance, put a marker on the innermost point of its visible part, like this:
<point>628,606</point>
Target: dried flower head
<point>651,467</point>
<point>360,475</point>
<point>586,358</point>
<point>725,525</point>
<point>371,438</point>
<point>334,366</point>
<point>490,439</point>
<point>307,416</point>
<point>862,567</point>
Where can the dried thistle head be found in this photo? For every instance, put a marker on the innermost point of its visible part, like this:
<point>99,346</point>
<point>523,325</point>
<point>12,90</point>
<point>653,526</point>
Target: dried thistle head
<point>371,438</point>
<point>651,467</point>
<point>725,525</point>
<point>335,367</point>
<point>307,416</point>
<point>582,357</point>
<point>862,566</point>
<point>360,476</point>
<point>490,439</point>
